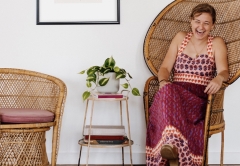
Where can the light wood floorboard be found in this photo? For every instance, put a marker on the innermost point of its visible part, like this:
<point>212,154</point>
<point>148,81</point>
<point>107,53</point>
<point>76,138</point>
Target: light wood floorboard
<point>137,165</point>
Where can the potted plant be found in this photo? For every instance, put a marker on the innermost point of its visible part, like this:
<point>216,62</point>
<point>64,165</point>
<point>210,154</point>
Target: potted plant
<point>97,75</point>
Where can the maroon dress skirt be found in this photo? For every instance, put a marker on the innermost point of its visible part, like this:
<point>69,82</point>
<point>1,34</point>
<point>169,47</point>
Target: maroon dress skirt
<point>176,117</point>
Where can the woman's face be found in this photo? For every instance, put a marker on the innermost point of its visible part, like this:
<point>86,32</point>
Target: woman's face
<point>202,25</point>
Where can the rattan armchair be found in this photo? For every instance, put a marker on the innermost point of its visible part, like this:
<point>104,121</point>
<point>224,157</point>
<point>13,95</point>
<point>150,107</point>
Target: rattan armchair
<point>175,18</point>
<point>24,144</point>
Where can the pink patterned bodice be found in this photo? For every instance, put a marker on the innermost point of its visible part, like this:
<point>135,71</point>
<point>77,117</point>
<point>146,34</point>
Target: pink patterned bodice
<point>200,70</point>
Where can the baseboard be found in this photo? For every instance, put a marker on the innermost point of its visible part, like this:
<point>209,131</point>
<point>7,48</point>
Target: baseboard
<point>229,158</point>
<point>97,165</point>
<point>104,158</point>
<point>107,158</point>
<point>111,165</point>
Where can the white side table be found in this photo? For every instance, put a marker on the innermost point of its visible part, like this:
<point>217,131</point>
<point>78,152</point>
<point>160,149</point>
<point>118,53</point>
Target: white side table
<point>88,145</point>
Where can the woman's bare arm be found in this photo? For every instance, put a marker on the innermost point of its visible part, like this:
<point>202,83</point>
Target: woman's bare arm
<point>169,60</point>
<point>220,53</point>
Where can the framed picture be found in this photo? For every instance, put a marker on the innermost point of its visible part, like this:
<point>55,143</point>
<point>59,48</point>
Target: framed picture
<point>57,12</point>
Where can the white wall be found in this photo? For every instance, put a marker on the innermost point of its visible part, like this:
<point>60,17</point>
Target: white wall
<point>64,50</point>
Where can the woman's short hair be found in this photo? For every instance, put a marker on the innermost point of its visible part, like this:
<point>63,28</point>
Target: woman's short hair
<point>203,8</point>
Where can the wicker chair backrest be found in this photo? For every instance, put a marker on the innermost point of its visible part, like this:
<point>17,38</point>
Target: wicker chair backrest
<point>175,18</point>
<point>28,89</point>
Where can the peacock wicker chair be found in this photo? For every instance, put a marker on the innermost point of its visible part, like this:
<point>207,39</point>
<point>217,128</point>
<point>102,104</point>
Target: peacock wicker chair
<point>175,18</point>
<point>24,144</point>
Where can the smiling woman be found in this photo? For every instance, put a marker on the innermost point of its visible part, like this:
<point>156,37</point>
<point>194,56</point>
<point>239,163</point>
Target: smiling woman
<point>176,116</point>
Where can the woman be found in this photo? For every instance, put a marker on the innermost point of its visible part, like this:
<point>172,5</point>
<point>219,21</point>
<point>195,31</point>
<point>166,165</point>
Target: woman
<point>175,132</point>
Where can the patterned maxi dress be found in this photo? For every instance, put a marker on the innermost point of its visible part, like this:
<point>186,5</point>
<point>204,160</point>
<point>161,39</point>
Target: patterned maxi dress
<point>178,110</point>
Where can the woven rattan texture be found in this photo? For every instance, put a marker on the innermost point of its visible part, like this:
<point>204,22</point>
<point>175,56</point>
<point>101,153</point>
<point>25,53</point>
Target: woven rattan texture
<point>151,87</point>
<point>24,91</point>
<point>23,149</point>
<point>175,18</point>
<point>28,89</point>
<point>217,123</point>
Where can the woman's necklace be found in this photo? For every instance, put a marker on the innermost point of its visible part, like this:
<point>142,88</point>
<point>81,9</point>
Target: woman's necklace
<point>197,55</point>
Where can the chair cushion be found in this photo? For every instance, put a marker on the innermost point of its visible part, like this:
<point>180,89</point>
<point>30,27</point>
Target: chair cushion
<point>22,115</point>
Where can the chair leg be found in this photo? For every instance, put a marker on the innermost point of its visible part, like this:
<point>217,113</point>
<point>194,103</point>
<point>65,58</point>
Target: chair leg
<point>207,156</point>
<point>222,148</point>
<point>55,144</point>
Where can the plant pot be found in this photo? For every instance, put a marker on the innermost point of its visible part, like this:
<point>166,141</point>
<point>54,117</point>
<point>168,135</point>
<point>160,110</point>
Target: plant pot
<point>112,86</point>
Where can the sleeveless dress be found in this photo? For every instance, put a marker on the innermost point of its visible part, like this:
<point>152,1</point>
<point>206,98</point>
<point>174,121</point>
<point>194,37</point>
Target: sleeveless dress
<point>178,110</point>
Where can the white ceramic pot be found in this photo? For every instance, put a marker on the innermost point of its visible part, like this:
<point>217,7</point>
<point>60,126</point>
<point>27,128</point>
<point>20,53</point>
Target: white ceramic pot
<point>112,86</point>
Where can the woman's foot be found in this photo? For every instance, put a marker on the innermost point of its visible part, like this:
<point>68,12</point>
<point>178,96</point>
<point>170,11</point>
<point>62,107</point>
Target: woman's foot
<point>173,162</point>
<point>170,153</point>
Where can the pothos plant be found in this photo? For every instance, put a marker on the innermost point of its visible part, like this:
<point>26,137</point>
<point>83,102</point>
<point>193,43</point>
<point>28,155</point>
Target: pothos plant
<point>108,66</point>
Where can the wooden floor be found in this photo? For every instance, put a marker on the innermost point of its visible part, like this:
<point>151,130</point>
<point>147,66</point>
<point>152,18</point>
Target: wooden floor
<point>137,165</point>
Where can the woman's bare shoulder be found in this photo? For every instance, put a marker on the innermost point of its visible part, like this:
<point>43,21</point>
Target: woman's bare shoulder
<point>181,34</point>
<point>218,41</point>
<point>179,37</point>
<point>219,47</point>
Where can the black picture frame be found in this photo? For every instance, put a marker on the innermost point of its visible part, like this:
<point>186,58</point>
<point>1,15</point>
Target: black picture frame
<point>41,21</point>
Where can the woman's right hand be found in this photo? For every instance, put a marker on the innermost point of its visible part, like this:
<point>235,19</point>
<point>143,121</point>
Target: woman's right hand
<point>163,83</point>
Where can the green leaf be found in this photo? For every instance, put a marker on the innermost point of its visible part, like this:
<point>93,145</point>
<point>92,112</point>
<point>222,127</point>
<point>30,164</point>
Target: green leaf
<point>106,71</point>
<point>123,71</point>
<point>95,68</point>
<point>88,84</point>
<point>135,92</point>
<point>103,81</point>
<point>85,95</point>
<point>91,78</point>
<point>129,75</point>
<point>90,72</point>
<point>82,72</point>
<point>120,75</point>
<point>125,85</point>
<point>116,69</point>
<point>101,70</point>
<point>109,62</point>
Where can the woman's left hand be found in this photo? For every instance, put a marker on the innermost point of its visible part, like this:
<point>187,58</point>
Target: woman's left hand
<point>214,85</point>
